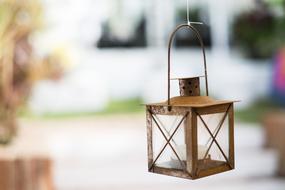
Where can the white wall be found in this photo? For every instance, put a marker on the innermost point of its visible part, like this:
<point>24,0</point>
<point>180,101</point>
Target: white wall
<point>96,76</point>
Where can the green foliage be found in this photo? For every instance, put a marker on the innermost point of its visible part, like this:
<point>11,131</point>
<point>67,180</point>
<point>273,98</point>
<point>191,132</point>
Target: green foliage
<point>256,112</point>
<point>128,106</point>
<point>124,106</point>
<point>276,2</point>
<point>259,32</point>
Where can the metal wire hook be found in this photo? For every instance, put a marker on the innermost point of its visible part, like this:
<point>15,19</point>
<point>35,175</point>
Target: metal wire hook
<point>188,16</point>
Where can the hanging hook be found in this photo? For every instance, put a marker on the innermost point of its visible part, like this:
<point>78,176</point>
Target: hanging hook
<point>188,16</point>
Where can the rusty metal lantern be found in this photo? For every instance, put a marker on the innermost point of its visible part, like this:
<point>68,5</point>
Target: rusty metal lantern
<point>190,136</point>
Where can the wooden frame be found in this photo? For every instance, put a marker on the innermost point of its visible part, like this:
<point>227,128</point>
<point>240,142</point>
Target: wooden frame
<point>193,168</point>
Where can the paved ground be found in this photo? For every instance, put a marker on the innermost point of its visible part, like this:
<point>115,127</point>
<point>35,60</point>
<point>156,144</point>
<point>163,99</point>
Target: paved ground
<point>110,153</point>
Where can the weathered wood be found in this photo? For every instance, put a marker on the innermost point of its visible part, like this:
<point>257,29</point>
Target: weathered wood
<point>221,108</point>
<point>206,164</point>
<point>149,139</point>
<point>163,110</point>
<point>281,165</point>
<point>172,172</point>
<point>26,174</point>
<point>194,144</point>
<point>193,101</point>
<point>7,175</point>
<point>188,142</point>
<point>274,125</point>
<point>231,137</point>
<point>214,170</point>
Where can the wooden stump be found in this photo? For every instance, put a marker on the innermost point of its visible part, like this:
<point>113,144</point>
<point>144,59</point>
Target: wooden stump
<point>281,169</point>
<point>25,174</point>
<point>274,125</point>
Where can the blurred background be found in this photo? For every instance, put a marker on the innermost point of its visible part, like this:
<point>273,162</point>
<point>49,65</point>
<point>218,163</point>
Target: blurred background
<point>75,74</point>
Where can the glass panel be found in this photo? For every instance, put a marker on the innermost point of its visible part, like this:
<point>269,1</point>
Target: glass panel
<point>209,153</point>
<point>223,137</point>
<point>168,158</point>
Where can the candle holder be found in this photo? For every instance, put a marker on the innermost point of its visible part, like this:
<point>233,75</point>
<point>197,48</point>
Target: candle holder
<point>190,136</point>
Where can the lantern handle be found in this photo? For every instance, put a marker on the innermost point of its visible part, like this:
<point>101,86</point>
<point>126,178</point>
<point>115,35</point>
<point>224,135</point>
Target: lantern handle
<point>189,26</point>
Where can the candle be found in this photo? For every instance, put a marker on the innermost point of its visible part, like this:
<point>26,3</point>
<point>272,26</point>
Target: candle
<point>181,151</point>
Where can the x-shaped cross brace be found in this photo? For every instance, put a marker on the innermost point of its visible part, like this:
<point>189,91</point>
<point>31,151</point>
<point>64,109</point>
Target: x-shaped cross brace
<point>168,141</point>
<point>215,135</point>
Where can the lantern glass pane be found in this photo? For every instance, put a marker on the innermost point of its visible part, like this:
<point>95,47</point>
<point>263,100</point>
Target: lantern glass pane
<point>169,125</point>
<point>223,137</point>
<point>212,153</point>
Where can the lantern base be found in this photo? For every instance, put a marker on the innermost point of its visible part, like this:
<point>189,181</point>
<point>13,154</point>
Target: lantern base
<point>186,175</point>
<point>206,168</point>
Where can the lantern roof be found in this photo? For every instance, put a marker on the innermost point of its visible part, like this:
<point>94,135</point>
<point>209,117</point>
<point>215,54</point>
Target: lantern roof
<point>193,101</point>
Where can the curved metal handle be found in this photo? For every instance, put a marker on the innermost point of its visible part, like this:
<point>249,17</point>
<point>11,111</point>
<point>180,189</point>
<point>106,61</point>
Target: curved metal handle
<point>169,56</point>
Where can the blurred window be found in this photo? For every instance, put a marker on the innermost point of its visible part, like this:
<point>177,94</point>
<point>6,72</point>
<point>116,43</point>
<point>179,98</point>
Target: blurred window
<point>125,26</point>
<point>186,38</point>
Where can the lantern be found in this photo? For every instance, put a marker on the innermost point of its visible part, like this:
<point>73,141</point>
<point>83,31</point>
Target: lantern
<point>190,136</point>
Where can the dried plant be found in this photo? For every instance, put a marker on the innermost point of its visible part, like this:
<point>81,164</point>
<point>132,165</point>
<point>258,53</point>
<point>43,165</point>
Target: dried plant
<point>19,19</point>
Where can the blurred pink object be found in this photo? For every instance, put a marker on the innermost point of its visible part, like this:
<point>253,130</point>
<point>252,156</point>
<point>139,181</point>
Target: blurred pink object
<point>279,79</point>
